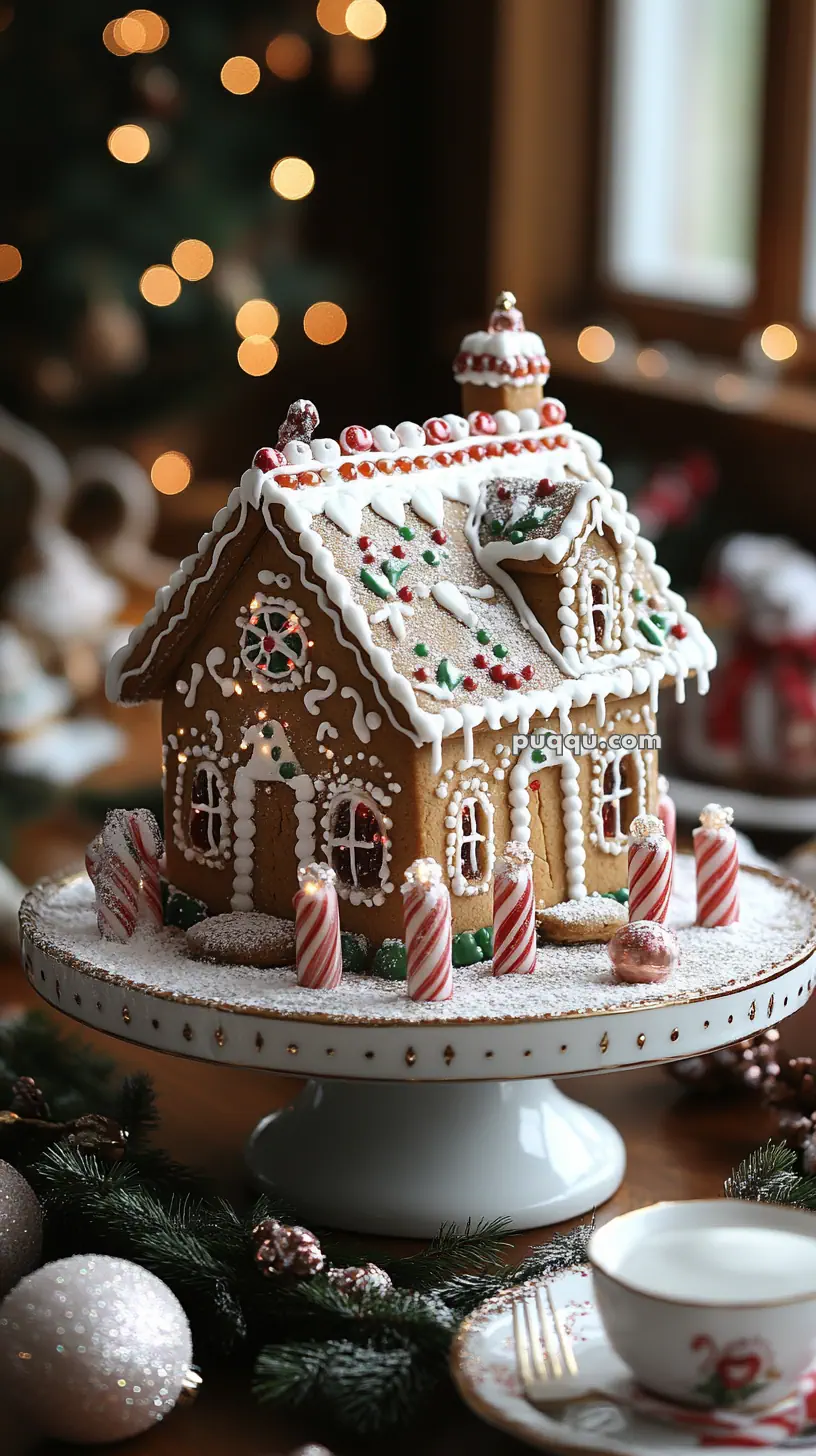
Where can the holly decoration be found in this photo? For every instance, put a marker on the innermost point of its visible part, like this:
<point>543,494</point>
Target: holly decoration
<point>356,951</point>
<point>392,569</point>
<point>357,1281</point>
<point>287,1250</point>
<point>180,909</point>
<point>273,643</point>
<point>447,675</point>
<point>651,632</point>
<point>469,947</point>
<point>376,584</point>
<point>391,961</point>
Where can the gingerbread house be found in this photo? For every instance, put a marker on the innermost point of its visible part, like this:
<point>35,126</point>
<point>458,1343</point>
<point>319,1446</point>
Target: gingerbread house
<point>419,641</point>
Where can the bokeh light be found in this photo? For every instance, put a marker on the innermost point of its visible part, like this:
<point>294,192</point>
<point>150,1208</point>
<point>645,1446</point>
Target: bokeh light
<point>324,323</point>
<point>289,56</point>
<point>240,75</point>
<point>160,285</point>
<point>138,32</point>
<point>129,34</point>
<point>171,472</point>
<point>331,15</point>
<point>730,388</point>
<point>778,342</point>
<point>192,259</point>
<point>129,143</point>
<point>257,354</point>
<point>257,316</point>
<point>11,261</point>
<point>366,19</point>
<point>110,41</point>
<point>155,27</point>
<point>292,178</point>
<point>596,344</point>
<point>652,363</point>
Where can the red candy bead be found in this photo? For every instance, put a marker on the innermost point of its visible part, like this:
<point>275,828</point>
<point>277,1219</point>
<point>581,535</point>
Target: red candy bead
<point>444,457</point>
<point>268,459</point>
<point>494,448</point>
<point>404,464</point>
<point>354,439</point>
<point>422,462</point>
<point>561,441</point>
<point>437,431</point>
<point>348,471</point>
<point>482,423</point>
<point>545,487</point>
<point>497,672</point>
<point>678,630</point>
<point>438,537</point>
<point>469,684</point>
<point>527,673</point>
<point>553,412</point>
<point>398,551</point>
<point>476,452</point>
<point>512,681</point>
<point>366,468</point>
<point>460,456</point>
<point>549,443</point>
<point>420,674</point>
<point>386,466</point>
<point>368,558</point>
<point>503,492</point>
<point>535,785</point>
<point>531,445</point>
<point>513,447</point>
<point>405,594</point>
<point>288,481</point>
<point>480,660</point>
<point>364,543</point>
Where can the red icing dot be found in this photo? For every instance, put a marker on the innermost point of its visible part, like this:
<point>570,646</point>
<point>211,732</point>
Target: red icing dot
<point>348,471</point>
<point>545,487</point>
<point>398,551</point>
<point>527,672</point>
<point>422,462</point>
<point>531,445</point>
<point>405,594</point>
<point>268,459</point>
<point>480,660</point>
<point>364,543</point>
<point>494,448</point>
<point>439,537</point>
<point>503,492</point>
<point>549,443</point>
<point>404,464</point>
<point>535,785</point>
<point>308,477</point>
<point>497,672</point>
<point>386,466</point>
<point>512,681</point>
<point>469,684</point>
<point>355,438</point>
<point>444,457</point>
<point>476,452</point>
<point>420,674</point>
<point>436,431</point>
<point>268,644</point>
<point>561,441</point>
<point>460,456</point>
<point>368,558</point>
<point>678,630</point>
<point>553,412</point>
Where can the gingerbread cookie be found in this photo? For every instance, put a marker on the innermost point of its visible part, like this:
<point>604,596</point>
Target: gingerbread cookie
<point>243,939</point>
<point>576,922</point>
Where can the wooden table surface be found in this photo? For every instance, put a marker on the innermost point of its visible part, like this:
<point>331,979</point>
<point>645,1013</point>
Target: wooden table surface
<point>678,1147</point>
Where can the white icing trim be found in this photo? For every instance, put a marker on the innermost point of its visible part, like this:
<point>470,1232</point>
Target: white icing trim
<point>573,810</point>
<point>263,768</point>
<point>363,723</point>
<point>358,791</point>
<point>469,792</point>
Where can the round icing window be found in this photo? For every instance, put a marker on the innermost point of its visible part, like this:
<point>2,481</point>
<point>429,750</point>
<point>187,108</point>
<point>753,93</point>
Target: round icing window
<point>274,644</point>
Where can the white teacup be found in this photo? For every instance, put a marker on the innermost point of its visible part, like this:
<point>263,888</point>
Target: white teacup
<point>710,1303</point>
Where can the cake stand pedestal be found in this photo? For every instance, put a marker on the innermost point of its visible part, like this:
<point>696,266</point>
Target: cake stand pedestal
<point>405,1124</point>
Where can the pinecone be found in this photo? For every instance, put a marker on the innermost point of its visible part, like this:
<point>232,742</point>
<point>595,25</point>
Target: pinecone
<point>792,1087</point>
<point>101,1135</point>
<point>750,1064</point>
<point>360,1280</point>
<point>28,1100</point>
<point>287,1249</point>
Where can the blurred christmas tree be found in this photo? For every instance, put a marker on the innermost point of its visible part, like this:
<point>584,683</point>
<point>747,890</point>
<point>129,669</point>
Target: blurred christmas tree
<point>134,135</point>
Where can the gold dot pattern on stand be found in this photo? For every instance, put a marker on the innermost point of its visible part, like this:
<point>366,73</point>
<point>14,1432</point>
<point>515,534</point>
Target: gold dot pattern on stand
<point>129,143</point>
<point>329,1051</point>
<point>11,262</point>
<point>369,1056</point>
<point>289,56</point>
<point>126,1016</point>
<point>366,19</point>
<point>752,1012</point>
<point>563,1047</point>
<point>99,1005</point>
<point>448,1055</point>
<point>604,1042</point>
<point>488,1054</point>
<point>410,1057</point>
<point>160,285</point>
<point>78,999</point>
<point>187,1031</point>
<point>706,1025</point>
<point>240,75</point>
<point>331,16</point>
<point>257,355</point>
<point>641,1041</point>
<point>154,1023</point>
<point>324,323</point>
<point>292,178</point>
<point>292,1049</point>
<point>192,259</point>
<point>171,472</point>
<point>257,316</point>
<point>730,1019</point>
<point>220,1038</point>
<point>259,1041</point>
<point>57,989</point>
<point>675,1034</point>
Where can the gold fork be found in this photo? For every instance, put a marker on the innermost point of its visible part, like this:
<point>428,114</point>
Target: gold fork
<point>546,1361</point>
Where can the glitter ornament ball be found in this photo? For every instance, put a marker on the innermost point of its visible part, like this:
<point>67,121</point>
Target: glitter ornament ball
<point>20,1227</point>
<point>643,951</point>
<point>93,1349</point>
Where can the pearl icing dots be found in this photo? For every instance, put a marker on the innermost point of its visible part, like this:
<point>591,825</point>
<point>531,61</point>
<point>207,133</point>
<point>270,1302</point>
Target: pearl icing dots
<point>385,438</point>
<point>327,452</point>
<point>411,436</point>
<point>297,452</point>
<point>459,428</point>
<point>507,423</point>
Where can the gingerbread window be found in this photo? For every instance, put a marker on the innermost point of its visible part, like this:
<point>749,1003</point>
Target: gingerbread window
<point>473,831</point>
<point>601,608</point>
<point>356,842</point>
<point>469,851</point>
<point>274,643</point>
<point>207,819</point>
<point>619,797</point>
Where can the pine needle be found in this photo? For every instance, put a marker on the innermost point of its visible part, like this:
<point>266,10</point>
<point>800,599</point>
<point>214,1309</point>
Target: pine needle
<point>769,1175</point>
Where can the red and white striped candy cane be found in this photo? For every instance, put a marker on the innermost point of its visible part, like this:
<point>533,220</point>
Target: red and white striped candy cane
<point>514,927</point>
<point>427,928</point>
<point>118,873</point>
<point>147,842</point>
<point>717,861</point>
<point>93,856</point>
<point>651,868</point>
<point>318,955</point>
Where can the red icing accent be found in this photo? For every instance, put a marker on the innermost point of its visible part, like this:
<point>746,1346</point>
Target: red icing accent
<point>422,462</point>
<point>405,594</point>
<point>368,558</point>
<point>364,542</point>
<point>460,456</point>
<point>439,537</point>
<point>527,672</point>
<point>469,684</point>
<point>549,443</point>
<point>513,447</point>
<point>535,785</point>
<point>436,431</point>
<point>420,674</point>
<point>476,452</point>
<point>494,448</point>
<point>354,439</point>
<point>480,660</point>
<point>512,681</point>
<point>444,457</point>
<point>268,459</point>
<point>404,464</point>
<point>678,630</point>
<point>531,445</point>
<point>268,644</point>
<point>386,466</point>
<point>482,423</point>
<point>366,468</point>
<point>288,481</point>
<point>561,441</point>
<point>497,672</point>
<point>309,477</point>
<point>552,412</point>
<point>503,492</point>
<point>348,471</point>
<point>398,551</point>
<point>545,487</point>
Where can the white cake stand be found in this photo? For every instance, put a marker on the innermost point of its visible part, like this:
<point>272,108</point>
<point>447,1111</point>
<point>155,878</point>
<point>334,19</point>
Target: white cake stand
<point>406,1125</point>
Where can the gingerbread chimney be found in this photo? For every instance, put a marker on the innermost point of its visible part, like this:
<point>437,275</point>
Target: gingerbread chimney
<point>503,366</point>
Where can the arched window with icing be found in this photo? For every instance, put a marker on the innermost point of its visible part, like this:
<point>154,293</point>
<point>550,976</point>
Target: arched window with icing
<point>356,844</point>
<point>207,822</point>
<point>470,851</point>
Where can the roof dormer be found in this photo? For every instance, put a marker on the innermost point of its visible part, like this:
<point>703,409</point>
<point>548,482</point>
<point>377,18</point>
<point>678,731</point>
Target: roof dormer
<point>503,366</point>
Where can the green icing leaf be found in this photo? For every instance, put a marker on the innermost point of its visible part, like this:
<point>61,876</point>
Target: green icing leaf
<point>447,675</point>
<point>650,632</point>
<point>393,569</point>
<point>376,584</point>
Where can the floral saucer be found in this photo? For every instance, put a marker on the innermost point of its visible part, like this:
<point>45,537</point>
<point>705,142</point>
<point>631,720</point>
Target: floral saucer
<point>629,1422</point>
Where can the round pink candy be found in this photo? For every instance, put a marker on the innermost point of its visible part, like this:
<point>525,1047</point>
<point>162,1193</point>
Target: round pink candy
<point>354,439</point>
<point>482,423</point>
<point>552,412</point>
<point>643,951</point>
<point>437,431</point>
<point>269,459</point>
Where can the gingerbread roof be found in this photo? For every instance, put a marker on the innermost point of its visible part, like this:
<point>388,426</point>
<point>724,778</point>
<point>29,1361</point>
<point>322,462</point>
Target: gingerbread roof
<point>401,550</point>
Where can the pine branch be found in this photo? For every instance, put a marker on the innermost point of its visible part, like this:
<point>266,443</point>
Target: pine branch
<point>770,1175</point>
<point>464,1293</point>
<point>476,1249</point>
<point>75,1079</point>
<point>136,1109</point>
<point>364,1388</point>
